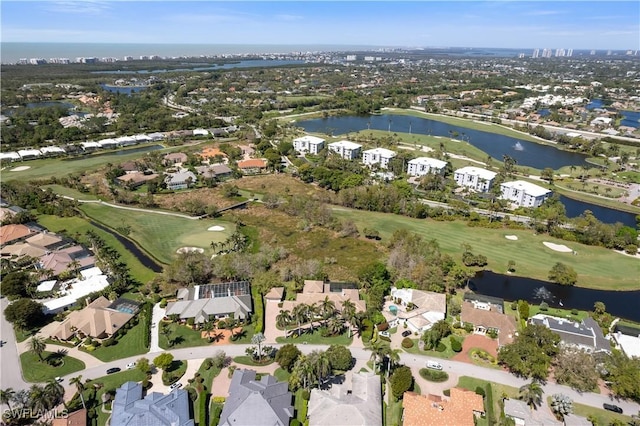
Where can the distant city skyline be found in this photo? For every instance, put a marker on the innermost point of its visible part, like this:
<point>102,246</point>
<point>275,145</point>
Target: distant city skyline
<point>501,24</point>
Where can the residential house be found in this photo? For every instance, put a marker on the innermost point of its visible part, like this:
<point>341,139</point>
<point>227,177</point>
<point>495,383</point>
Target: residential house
<point>251,402</point>
<point>422,166</point>
<point>77,418</point>
<point>219,171</point>
<point>205,302</point>
<point>52,151</point>
<point>91,280</point>
<point>29,154</point>
<point>46,240</point>
<point>485,317</point>
<point>346,149</point>
<point>628,340</point>
<point>520,412</point>
<point>476,178</point>
<point>69,258</point>
<point>459,409</point>
<point>585,335</point>
<point>129,408</point>
<point>308,144</point>
<point>174,158</point>
<point>10,156</point>
<point>524,194</point>
<point>136,179</point>
<point>212,153</point>
<point>252,166</point>
<point>18,250</point>
<point>317,291</point>
<point>380,156</point>
<point>355,402</point>
<point>418,309</point>
<point>100,319</point>
<point>10,234</point>
<point>180,180</point>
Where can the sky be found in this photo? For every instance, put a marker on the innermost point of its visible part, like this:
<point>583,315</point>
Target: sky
<point>455,23</point>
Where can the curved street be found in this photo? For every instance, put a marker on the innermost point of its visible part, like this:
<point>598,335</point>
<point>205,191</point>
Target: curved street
<point>12,378</point>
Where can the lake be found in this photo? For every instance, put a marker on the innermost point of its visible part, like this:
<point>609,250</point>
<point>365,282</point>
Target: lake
<point>625,304</point>
<point>127,90</point>
<point>525,153</point>
<point>211,67</point>
<point>575,208</point>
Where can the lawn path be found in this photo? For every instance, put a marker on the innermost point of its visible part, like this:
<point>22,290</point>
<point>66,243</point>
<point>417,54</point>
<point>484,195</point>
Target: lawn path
<point>136,209</point>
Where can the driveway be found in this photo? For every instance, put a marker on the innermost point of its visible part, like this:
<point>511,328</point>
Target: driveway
<point>476,341</point>
<point>156,316</point>
<point>271,311</point>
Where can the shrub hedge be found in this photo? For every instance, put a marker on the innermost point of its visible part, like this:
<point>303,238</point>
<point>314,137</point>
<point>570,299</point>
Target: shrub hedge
<point>434,375</point>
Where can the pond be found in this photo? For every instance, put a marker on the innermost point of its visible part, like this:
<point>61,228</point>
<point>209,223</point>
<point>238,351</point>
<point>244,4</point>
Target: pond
<point>624,304</point>
<point>525,153</point>
<point>575,208</point>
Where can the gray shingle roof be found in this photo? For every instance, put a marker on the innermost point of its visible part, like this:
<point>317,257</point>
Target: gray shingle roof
<point>586,333</point>
<point>156,409</point>
<point>252,403</point>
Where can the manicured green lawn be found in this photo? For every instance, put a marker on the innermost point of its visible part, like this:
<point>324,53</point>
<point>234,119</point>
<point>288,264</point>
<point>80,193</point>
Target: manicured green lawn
<point>174,372</point>
<point>316,339</point>
<point>281,375</point>
<point>393,413</point>
<point>76,228</point>
<point>70,192</point>
<point>132,343</point>
<point>36,371</point>
<point>446,354</point>
<point>603,416</point>
<point>183,336</point>
<point>247,360</point>
<point>597,267</point>
<point>161,235</point>
<point>301,406</point>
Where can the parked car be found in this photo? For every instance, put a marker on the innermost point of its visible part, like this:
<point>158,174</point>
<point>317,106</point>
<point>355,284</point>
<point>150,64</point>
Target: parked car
<point>59,379</point>
<point>434,365</point>
<point>612,407</point>
<point>406,333</point>
<point>176,385</point>
<point>113,370</point>
<point>131,365</point>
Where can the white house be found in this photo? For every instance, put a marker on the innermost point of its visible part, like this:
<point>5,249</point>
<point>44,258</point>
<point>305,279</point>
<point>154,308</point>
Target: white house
<point>11,156</point>
<point>416,309</point>
<point>180,180</point>
<point>308,144</point>
<point>27,154</point>
<point>524,194</point>
<point>346,149</point>
<point>378,156</point>
<point>475,178</point>
<point>424,165</point>
<point>52,150</point>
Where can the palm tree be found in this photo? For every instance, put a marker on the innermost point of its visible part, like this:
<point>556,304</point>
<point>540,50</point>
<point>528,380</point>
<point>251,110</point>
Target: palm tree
<point>378,351</point>
<point>321,365</point>
<point>532,394</point>
<point>75,265</point>
<point>6,396</point>
<point>54,392</point>
<point>257,339</point>
<point>77,381</point>
<point>300,313</point>
<point>302,372</point>
<point>393,358</point>
<point>37,345</point>
<point>335,324</point>
<point>37,398</point>
<point>348,313</point>
<point>283,319</point>
<point>327,308</point>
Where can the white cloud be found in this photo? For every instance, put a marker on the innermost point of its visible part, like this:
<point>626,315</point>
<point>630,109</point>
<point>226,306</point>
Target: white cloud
<point>86,7</point>
<point>285,17</point>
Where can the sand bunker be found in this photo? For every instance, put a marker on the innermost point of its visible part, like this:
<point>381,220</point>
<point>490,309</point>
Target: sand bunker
<point>215,228</point>
<point>558,247</point>
<point>190,250</point>
<point>511,237</point>
<point>20,168</point>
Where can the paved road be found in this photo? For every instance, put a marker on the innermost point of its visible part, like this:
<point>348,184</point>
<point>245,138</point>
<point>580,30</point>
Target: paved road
<point>360,354</point>
<point>11,376</point>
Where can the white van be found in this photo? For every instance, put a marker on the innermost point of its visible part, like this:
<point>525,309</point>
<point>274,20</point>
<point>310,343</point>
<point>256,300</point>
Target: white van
<point>434,365</point>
